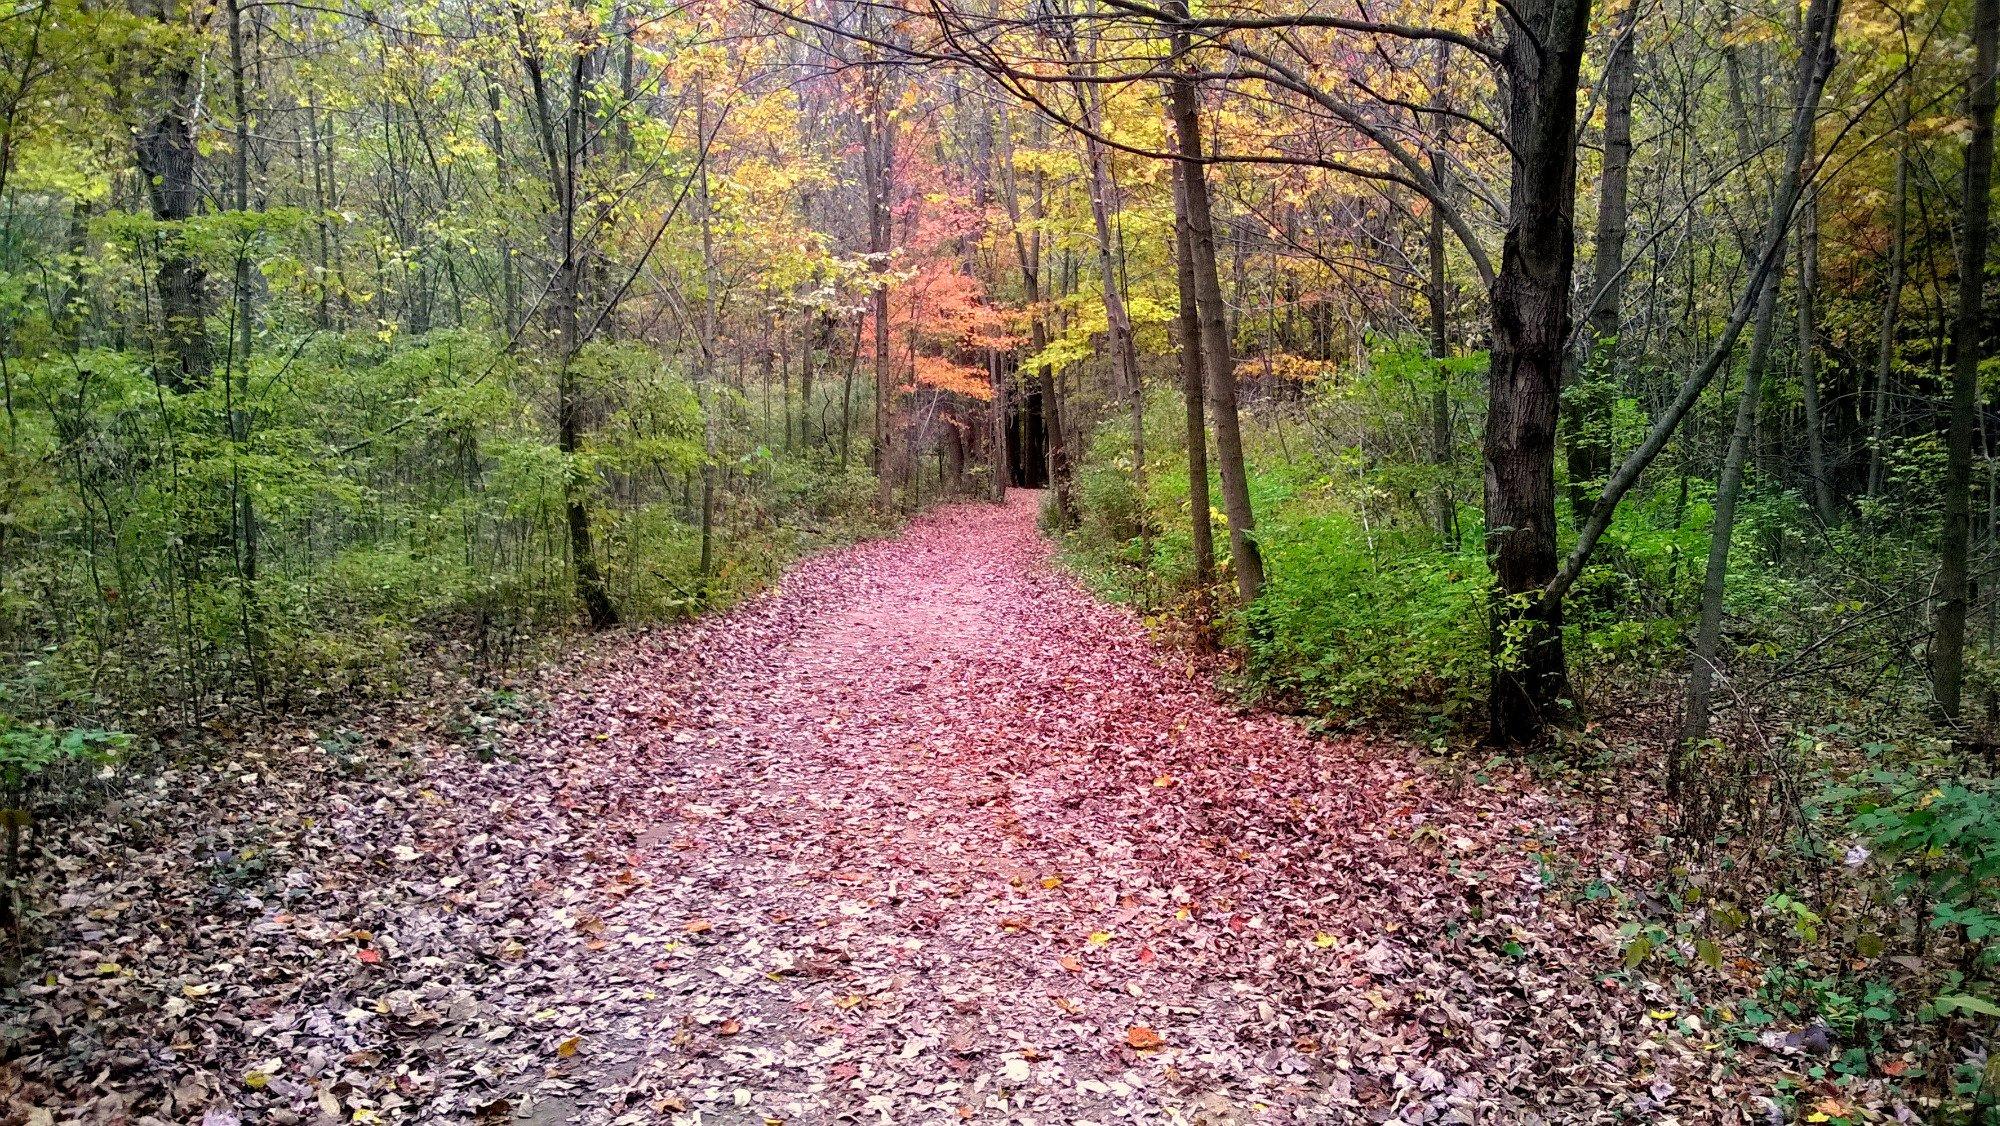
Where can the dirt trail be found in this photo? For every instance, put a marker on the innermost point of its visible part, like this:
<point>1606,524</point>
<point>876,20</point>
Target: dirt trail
<point>926,835</point>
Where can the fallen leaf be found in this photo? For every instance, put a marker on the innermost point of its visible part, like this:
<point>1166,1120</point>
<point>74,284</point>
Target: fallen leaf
<point>1143,1038</point>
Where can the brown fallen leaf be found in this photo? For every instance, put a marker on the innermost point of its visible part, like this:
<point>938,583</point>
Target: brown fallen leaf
<point>698,926</point>
<point>729,1027</point>
<point>1143,1038</point>
<point>1070,963</point>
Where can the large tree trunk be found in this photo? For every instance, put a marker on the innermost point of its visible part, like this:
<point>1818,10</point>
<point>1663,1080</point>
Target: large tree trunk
<point>1949,653</point>
<point>167,158</point>
<point>1244,558</point>
<point>1531,324</point>
<point>1589,430</point>
<point>1201,528</point>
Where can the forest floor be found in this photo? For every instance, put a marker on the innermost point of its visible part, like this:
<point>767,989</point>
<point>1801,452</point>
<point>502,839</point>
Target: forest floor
<point>926,834</point>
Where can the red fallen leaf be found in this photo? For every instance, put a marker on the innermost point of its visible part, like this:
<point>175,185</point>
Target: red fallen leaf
<point>1143,1038</point>
<point>1069,963</point>
<point>842,1072</point>
<point>1237,923</point>
<point>849,877</point>
<point>1145,955</point>
<point>370,956</point>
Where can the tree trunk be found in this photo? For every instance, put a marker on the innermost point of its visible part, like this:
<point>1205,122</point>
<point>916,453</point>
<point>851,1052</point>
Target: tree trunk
<point>1244,558</point>
<point>168,162</point>
<point>1201,527</point>
<point>995,371</point>
<point>1531,324</point>
<point>1949,653</point>
<point>1821,486</point>
<point>1892,298</point>
<point>1440,303</point>
<point>1815,62</point>
<point>1728,491</point>
<point>1589,430</point>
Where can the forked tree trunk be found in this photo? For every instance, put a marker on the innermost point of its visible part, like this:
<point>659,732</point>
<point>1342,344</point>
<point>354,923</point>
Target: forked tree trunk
<point>1244,558</point>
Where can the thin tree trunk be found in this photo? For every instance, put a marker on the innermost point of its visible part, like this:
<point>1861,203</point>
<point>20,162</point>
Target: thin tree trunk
<point>1002,471</point>
<point>1244,557</point>
<point>1728,491</point>
<point>1589,431</point>
<point>1202,529</point>
<point>1815,62</point>
<point>1892,298</point>
<point>1440,303</point>
<point>1821,486</point>
<point>1948,655</point>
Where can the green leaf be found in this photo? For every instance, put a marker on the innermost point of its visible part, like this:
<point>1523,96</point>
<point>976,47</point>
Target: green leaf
<point>1641,948</point>
<point>1965,1002</point>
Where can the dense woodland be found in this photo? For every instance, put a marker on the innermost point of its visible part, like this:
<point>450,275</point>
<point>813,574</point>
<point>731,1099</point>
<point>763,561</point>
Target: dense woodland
<point>1608,385</point>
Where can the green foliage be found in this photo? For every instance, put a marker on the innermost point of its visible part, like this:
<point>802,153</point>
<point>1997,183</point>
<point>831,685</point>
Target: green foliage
<point>28,750</point>
<point>346,502</point>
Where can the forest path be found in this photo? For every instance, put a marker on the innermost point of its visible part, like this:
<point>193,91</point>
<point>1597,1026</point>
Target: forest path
<point>926,834</point>
<point>965,844</point>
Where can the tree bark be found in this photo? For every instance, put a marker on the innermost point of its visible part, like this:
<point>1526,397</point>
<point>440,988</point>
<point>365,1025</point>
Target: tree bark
<point>1815,63</point>
<point>1948,660</point>
<point>1244,558</point>
<point>1820,488</point>
<point>1202,528</point>
<point>1531,324</point>
<point>168,162</point>
<point>1589,431</point>
<point>1892,299</point>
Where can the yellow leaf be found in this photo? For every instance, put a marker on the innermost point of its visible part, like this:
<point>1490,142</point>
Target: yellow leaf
<point>1661,1014</point>
<point>568,1047</point>
<point>1323,940</point>
<point>256,1080</point>
<point>1051,882</point>
<point>1100,938</point>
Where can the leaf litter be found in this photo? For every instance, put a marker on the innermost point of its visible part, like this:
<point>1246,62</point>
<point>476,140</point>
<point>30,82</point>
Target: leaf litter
<point>925,834</point>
